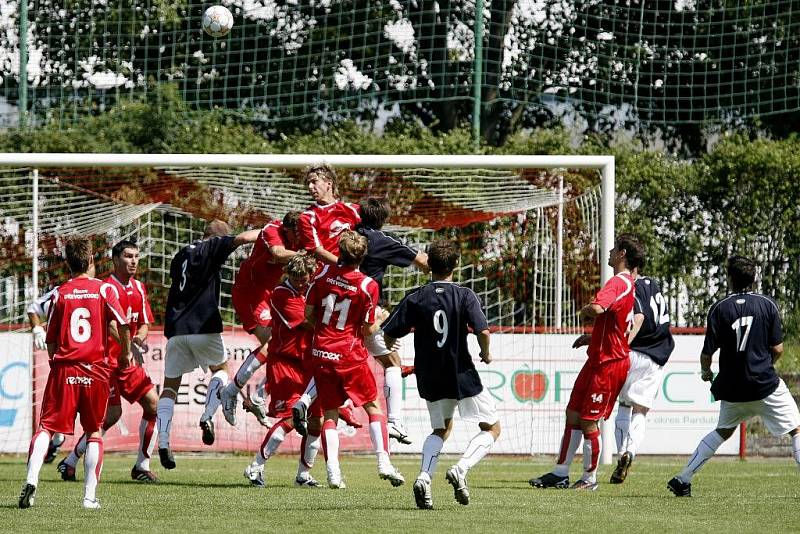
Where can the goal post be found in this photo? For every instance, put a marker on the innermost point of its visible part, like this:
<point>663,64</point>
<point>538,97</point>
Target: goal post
<point>483,201</point>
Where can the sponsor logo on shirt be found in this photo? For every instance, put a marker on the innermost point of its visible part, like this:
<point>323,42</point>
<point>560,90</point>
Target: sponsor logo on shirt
<point>324,354</point>
<point>81,296</point>
<point>79,381</point>
<point>340,283</point>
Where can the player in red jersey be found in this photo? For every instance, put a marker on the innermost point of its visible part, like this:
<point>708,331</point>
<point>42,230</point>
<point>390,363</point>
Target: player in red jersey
<point>321,225</point>
<point>342,303</point>
<point>132,383</point>
<point>600,380</point>
<point>288,372</point>
<point>79,372</point>
<point>257,277</point>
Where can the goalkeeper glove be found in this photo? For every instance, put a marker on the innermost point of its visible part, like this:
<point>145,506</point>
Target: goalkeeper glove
<point>39,342</point>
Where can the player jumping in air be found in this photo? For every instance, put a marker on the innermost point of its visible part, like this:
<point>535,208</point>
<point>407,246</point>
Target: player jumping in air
<point>602,376</point>
<point>257,277</point>
<point>193,327</point>
<point>440,313</point>
<point>651,346</point>
<point>342,304</point>
<point>132,383</point>
<point>77,340</point>
<point>746,329</point>
<point>384,250</point>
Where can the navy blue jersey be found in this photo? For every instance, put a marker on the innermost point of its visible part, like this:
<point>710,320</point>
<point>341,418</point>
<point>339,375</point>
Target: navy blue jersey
<point>193,301</point>
<point>383,250</point>
<point>744,327</point>
<point>440,313</point>
<point>654,338</point>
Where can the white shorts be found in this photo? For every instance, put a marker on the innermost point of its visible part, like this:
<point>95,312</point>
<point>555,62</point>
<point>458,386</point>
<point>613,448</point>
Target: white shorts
<point>188,352</point>
<point>644,379</point>
<point>477,409</point>
<point>778,412</point>
<point>376,346</point>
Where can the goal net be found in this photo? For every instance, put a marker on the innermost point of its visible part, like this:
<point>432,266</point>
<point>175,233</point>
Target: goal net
<point>531,231</point>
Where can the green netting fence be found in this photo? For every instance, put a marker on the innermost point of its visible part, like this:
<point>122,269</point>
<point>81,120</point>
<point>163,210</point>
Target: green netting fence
<point>654,62</point>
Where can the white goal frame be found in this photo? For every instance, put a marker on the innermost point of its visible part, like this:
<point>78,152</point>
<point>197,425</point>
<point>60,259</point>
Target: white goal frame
<point>602,163</point>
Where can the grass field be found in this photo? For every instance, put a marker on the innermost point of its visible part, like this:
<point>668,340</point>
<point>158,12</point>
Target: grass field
<point>209,494</point>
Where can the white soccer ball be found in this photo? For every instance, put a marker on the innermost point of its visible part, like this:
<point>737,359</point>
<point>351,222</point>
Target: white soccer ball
<point>217,21</point>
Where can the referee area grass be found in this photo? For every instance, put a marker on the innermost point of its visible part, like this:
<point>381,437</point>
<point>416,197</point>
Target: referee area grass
<point>209,494</point>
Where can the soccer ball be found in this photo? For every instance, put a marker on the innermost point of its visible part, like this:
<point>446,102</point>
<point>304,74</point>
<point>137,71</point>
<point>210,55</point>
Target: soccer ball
<point>217,21</point>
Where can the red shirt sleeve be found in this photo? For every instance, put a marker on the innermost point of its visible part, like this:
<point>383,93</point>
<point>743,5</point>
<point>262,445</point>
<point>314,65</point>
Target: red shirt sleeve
<point>610,292</point>
<point>272,236</point>
<point>373,295</point>
<point>54,320</point>
<point>146,310</point>
<point>109,294</point>
<point>306,232</point>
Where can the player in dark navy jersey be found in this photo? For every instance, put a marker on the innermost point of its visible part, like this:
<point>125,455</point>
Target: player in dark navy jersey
<point>193,326</point>
<point>651,346</point>
<point>441,314</point>
<point>384,250</point>
<point>746,329</point>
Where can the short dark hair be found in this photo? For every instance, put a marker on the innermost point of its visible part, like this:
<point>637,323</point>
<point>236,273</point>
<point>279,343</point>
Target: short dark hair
<point>116,250</point>
<point>327,172</point>
<point>79,252</point>
<point>634,251</point>
<point>443,257</point>
<point>742,272</point>
<point>374,212</point>
<point>352,248</point>
<point>291,219</point>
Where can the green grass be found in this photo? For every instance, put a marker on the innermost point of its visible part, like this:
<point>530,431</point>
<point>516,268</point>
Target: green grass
<point>209,494</point>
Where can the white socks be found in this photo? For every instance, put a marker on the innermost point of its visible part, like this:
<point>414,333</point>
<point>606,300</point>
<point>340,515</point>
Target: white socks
<point>705,450</point>
<point>330,446</point>
<point>477,449</point>
<point>38,450</point>
<point>272,441</point>
<point>309,395</point>
<point>218,381</point>
<point>430,454</point>
<point>379,434</point>
<point>393,390</point>
<point>622,425</point>
<point>570,442</point>
<point>796,448</point>
<point>636,433</point>
<point>166,406</point>
<point>309,447</point>
<point>147,441</point>
<point>92,465</point>
<point>249,366</point>
<point>591,454</point>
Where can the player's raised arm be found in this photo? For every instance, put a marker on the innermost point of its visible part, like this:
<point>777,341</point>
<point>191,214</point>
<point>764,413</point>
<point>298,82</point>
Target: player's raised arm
<point>248,236</point>
<point>421,262</point>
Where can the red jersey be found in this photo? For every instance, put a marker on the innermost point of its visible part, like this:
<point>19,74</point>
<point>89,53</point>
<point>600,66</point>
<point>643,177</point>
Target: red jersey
<point>610,333</point>
<point>322,225</point>
<point>260,271</point>
<point>133,301</point>
<point>343,299</point>
<point>79,315</point>
<point>289,339</point>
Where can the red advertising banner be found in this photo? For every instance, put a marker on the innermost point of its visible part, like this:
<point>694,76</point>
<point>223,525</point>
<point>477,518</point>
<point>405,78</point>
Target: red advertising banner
<point>185,433</point>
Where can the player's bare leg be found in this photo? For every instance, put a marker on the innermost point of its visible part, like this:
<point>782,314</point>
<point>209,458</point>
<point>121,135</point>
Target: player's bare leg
<point>309,447</point>
<point>681,484</point>
<point>148,435</point>
<point>165,410</point>
<point>393,390</point>
<point>570,441</point>
<point>379,434</point>
<point>629,435</point>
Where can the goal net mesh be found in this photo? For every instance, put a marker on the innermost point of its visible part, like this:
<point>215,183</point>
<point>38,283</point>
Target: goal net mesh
<point>506,222</point>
